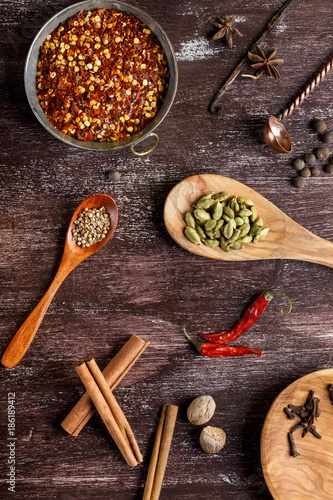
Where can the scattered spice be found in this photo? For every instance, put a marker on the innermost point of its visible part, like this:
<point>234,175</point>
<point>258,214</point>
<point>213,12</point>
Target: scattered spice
<point>91,226</point>
<point>101,76</point>
<point>216,350</point>
<point>330,392</point>
<point>306,172</point>
<point>226,30</point>
<point>251,315</point>
<point>212,439</point>
<point>264,64</point>
<point>319,126</point>
<point>327,138</point>
<point>310,159</point>
<point>299,182</point>
<point>226,222</point>
<point>315,171</point>
<point>114,175</point>
<point>308,414</point>
<point>299,164</point>
<point>329,168</point>
<point>201,410</point>
<point>322,153</point>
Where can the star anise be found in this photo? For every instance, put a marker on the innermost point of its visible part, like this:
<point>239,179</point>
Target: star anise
<point>226,30</point>
<point>264,64</point>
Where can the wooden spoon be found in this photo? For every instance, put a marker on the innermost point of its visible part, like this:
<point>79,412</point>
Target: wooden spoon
<point>72,256</point>
<point>310,474</point>
<point>285,240</point>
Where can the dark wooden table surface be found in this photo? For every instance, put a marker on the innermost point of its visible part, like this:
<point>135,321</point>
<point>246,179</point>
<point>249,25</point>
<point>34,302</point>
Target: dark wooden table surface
<point>142,282</point>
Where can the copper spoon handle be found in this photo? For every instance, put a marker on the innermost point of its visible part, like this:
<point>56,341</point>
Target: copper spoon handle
<point>307,91</point>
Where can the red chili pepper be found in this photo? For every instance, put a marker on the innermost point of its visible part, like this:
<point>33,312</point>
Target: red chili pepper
<point>215,350</point>
<point>251,315</point>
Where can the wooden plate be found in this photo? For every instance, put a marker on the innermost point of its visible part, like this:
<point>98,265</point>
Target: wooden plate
<point>309,476</point>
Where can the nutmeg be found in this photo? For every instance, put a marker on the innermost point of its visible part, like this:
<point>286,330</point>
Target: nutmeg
<point>212,439</point>
<point>201,410</point>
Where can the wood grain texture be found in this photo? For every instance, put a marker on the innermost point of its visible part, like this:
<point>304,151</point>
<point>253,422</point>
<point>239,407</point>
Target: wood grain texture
<point>150,284</point>
<point>309,475</point>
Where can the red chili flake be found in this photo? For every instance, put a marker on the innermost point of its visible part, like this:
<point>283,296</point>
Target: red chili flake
<point>102,76</point>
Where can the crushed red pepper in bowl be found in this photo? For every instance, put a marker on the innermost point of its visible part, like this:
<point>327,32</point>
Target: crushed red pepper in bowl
<point>101,76</point>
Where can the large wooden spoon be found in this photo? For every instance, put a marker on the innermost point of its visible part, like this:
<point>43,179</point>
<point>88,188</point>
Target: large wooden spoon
<point>285,240</point>
<point>72,256</point>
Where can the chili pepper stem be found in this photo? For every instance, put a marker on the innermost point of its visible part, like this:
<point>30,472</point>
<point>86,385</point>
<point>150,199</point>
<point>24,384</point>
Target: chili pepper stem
<point>197,345</point>
<point>269,294</point>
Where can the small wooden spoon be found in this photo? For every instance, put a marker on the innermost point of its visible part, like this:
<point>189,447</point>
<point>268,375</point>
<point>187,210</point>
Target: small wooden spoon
<point>72,256</point>
<point>285,240</point>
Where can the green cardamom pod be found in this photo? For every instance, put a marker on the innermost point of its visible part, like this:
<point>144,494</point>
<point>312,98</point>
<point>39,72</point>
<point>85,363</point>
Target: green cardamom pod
<point>210,233</point>
<point>255,229</point>
<point>245,239</point>
<point>217,211</point>
<point>244,212</point>
<point>239,221</point>
<point>219,224</point>
<point>261,235</point>
<point>234,237</point>
<point>246,220</point>
<point>233,223</point>
<point>210,224</point>
<point>217,233</point>
<point>236,245</point>
<point>245,201</point>
<point>229,212</point>
<point>192,235</point>
<point>201,215</point>
<point>189,219</point>
<point>228,230</point>
<point>233,204</point>
<point>259,221</point>
<point>200,231</point>
<point>244,230</point>
<point>211,243</point>
<point>254,215</point>
<point>221,196</point>
<point>226,218</point>
<point>224,246</point>
<point>205,204</point>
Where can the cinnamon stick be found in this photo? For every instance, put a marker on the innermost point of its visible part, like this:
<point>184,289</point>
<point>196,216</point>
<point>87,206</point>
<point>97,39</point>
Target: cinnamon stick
<point>113,373</point>
<point>160,454</point>
<point>104,410</point>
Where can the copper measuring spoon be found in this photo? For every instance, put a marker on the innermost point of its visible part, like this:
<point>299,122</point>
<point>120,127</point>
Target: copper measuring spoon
<point>285,240</point>
<point>72,256</point>
<point>275,133</point>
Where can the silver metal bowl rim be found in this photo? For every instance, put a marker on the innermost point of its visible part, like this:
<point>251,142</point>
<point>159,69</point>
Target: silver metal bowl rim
<point>31,91</point>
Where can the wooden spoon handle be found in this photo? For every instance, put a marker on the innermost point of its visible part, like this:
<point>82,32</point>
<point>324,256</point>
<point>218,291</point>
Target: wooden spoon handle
<point>21,341</point>
<point>301,244</point>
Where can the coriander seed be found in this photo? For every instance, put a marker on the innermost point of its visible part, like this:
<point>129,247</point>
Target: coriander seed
<point>114,175</point>
<point>91,226</point>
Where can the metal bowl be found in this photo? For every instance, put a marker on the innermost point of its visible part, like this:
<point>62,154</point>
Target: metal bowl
<point>31,69</point>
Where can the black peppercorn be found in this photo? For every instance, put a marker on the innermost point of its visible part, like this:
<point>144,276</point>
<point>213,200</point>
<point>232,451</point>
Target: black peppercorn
<point>327,138</point>
<point>299,164</point>
<point>114,175</point>
<point>315,171</point>
<point>306,172</point>
<point>310,159</point>
<point>299,182</point>
<point>329,168</point>
<point>322,153</point>
<point>319,126</point>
